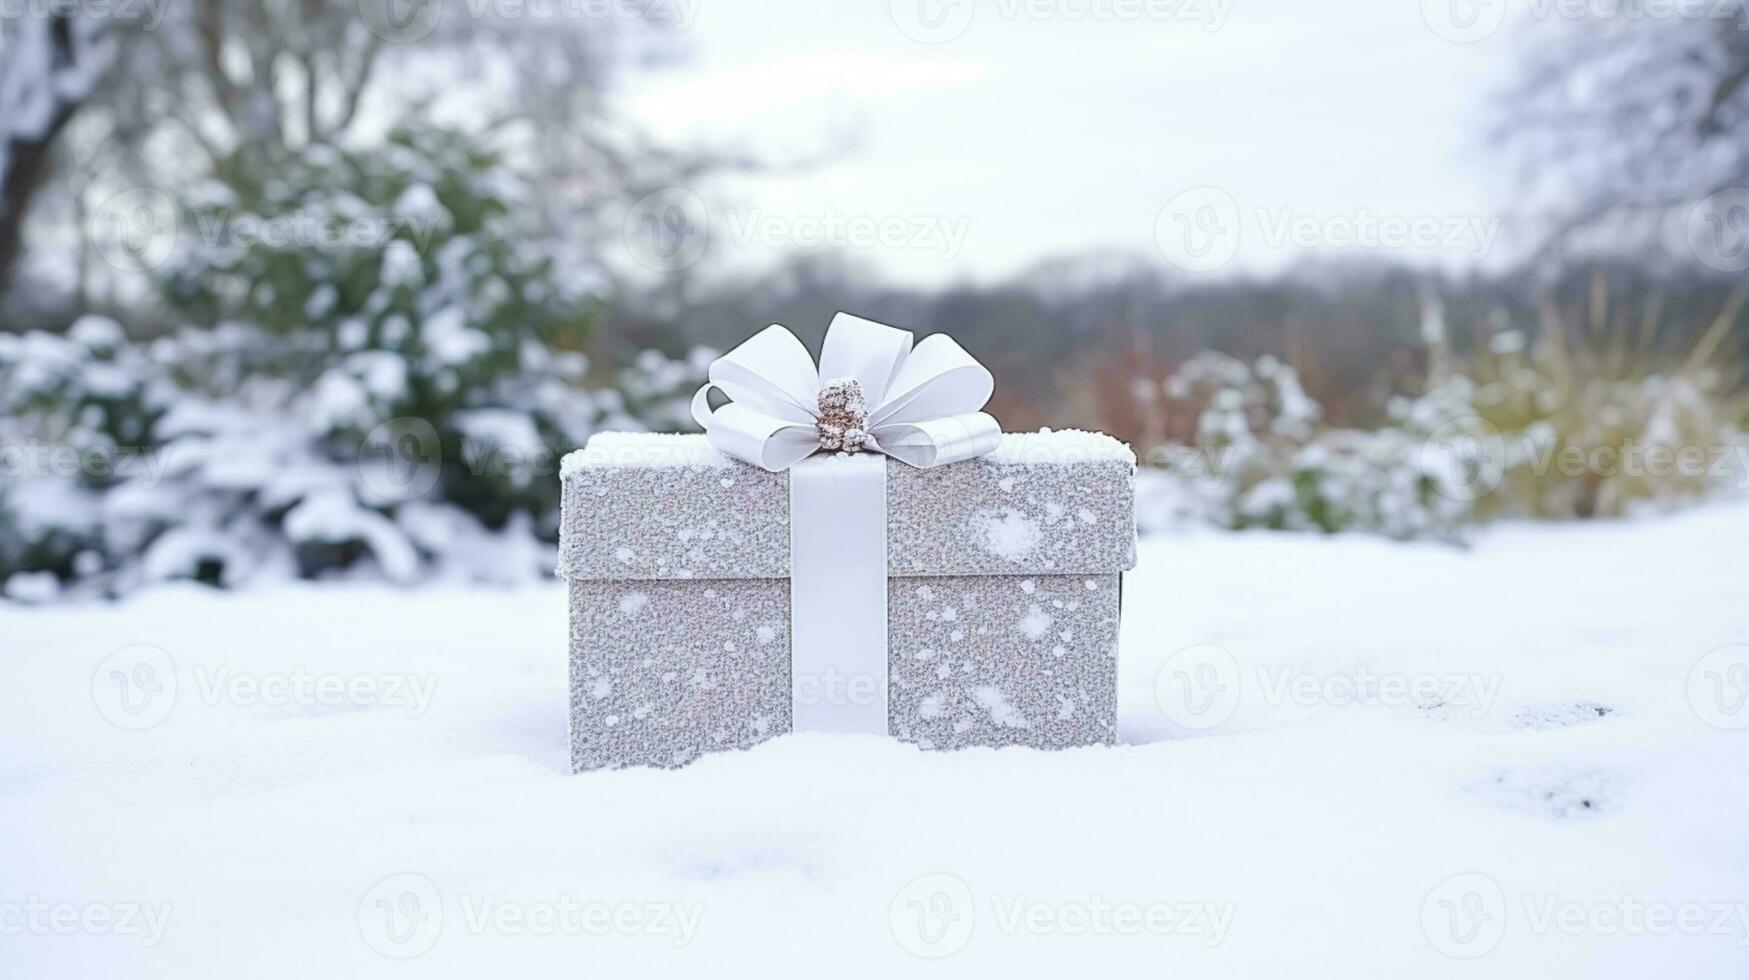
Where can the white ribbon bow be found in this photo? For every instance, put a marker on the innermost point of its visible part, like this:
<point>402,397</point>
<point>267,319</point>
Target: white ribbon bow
<point>922,404</point>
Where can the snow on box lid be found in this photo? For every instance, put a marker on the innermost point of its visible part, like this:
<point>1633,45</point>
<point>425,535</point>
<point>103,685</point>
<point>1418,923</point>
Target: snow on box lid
<point>655,506</point>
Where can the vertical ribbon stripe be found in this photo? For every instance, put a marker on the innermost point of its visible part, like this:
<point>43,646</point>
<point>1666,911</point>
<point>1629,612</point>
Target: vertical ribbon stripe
<point>838,594</point>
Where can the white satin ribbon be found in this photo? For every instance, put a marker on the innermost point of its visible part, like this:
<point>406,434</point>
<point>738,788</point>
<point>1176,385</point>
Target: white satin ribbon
<point>924,401</point>
<point>838,594</point>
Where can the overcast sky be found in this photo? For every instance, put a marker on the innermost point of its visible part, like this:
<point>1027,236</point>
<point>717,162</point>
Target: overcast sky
<point>1014,131</point>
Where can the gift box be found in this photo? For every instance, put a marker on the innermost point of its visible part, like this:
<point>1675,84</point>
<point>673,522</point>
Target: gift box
<point>1002,598</point>
<point>850,548</point>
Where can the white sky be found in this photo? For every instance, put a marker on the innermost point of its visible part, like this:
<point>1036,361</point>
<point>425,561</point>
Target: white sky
<point>1040,136</point>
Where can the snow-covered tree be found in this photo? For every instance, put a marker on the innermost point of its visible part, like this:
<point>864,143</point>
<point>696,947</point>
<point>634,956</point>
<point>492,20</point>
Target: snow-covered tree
<point>1630,116</point>
<point>384,375</point>
<point>50,64</point>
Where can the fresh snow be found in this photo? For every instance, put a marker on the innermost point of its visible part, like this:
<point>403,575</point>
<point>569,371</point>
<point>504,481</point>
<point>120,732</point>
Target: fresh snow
<point>340,772</point>
<point>693,450</point>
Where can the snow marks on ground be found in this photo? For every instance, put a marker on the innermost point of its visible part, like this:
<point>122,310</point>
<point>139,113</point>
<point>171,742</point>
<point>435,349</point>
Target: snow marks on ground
<point>1414,732</point>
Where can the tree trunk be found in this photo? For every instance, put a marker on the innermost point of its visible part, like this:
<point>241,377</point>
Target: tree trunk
<point>51,67</point>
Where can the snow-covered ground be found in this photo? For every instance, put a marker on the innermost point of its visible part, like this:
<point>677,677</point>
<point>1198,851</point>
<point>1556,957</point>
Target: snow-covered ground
<point>1345,757</point>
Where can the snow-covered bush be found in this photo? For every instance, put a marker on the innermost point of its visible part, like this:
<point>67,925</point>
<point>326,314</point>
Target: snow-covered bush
<point>1262,458</point>
<point>394,374</point>
<point>1559,433</point>
<point>1583,430</point>
<point>74,411</point>
<point>116,470</point>
<point>406,281</point>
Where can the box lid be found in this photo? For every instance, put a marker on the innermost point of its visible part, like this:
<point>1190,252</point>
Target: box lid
<point>653,506</point>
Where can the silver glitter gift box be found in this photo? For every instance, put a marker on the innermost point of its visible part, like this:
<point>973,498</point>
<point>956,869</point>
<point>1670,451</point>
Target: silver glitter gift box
<point>1003,597</point>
